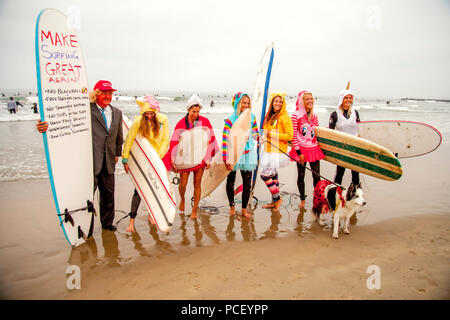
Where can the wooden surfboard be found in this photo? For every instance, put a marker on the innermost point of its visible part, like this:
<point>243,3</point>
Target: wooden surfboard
<point>405,139</point>
<point>358,154</point>
<point>239,134</point>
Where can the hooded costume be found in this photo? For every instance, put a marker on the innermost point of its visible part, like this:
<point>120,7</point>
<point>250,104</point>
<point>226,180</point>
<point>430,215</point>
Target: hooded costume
<point>342,120</point>
<point>304,138</point>
<point>278,133</point>
<point>159,143</point>
<point>345,121</point>
<point>184,125</point>
<point>248,160</point>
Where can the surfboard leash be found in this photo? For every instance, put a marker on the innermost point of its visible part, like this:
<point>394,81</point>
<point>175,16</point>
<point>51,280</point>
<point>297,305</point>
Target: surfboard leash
<point>304,165</point>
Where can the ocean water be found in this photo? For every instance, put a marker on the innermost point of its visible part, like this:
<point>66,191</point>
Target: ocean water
<point>23,154</point>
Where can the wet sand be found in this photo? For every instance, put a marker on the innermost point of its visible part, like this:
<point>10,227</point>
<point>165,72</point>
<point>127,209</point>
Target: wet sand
<point>412,254</point>
<point>404,230</point>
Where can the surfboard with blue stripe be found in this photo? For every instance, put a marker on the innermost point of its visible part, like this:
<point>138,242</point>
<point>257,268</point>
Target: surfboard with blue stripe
<point>64,105</point>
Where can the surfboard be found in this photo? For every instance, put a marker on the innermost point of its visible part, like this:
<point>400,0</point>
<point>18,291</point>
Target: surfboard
<point>239,134</point>
<point>64,104</point>
<point>259,102</point>
<point>358,154</point>
<point>191,148</point>
<point>151,180</point>
<point>405,139</point>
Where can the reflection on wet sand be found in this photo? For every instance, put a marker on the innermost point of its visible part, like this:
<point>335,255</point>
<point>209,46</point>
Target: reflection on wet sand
<point>85,255</point>
<point>273,228</point>
<point>138,244</point>
<point>111,247</point>
<point>230,235</point>
<point>184,238</point>
<point>191,232</point>
<point>162,244</point>
<point>208,229</point>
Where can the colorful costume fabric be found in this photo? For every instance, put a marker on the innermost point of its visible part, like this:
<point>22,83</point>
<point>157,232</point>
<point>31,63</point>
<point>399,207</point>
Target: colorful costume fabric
<point>321,199</point>
<point>248,160</point>
<point>304,138</point>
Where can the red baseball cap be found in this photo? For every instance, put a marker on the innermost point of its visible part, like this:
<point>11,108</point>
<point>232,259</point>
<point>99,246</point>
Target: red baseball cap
<point>104,85</point>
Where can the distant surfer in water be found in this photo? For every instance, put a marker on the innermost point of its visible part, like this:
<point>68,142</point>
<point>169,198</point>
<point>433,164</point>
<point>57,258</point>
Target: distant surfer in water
<point>212,103</point>
<point>304,143</point>
<point>192,120</point>
<point>107,140</point>
<point>248,161</point>
<point>12,105</point>
<point>345,119</point>
<point>153,126</point>
<point>278,131</point>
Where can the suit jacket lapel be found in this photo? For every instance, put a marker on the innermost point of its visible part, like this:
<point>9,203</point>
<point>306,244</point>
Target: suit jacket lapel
<point>113,117</point>
<point>98,115</point>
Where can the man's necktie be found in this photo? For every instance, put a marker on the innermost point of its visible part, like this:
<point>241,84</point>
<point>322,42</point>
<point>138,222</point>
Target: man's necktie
<point>104,118</point>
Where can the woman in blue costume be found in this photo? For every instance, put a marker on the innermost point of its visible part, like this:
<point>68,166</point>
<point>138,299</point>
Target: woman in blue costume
<point>247,162</point>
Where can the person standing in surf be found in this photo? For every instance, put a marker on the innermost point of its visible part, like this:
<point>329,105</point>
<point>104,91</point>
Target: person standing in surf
<point>12,105</point>
<point>248,161</point>
<point>278,131</point>
<point>107,140</point>
<point>345,119</point>
<point>304,143</point>
<point>192,120</point>
<point>153,126</point>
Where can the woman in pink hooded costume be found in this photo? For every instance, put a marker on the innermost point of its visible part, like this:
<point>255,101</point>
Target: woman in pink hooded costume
<point>304,143</point>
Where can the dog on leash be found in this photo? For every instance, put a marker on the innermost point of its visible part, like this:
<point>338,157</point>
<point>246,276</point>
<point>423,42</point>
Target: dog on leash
<point>342,204</point>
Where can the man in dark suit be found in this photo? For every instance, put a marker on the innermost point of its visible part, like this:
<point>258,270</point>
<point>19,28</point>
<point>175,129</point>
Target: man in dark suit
<point>107,140</point>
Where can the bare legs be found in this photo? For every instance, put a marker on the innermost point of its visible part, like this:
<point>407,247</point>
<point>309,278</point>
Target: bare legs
<point>184,177</point>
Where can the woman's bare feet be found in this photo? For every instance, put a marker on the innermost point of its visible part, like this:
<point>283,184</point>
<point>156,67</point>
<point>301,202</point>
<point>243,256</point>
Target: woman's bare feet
<point>130,227</point>
<point>181,206</point>
<point>245,213</point>
<point>232,210</point>
<point>269,205</point>
<point>278,205</point>
<point>302,204</point>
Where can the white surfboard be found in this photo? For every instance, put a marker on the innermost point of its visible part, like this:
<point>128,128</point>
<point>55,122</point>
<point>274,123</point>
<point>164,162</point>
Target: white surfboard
<point>151,180</point>
<point>191,148</point>
<point>239,134</point>
<point>64,104</point>
<point>259,102</point>
<point>404,138</point>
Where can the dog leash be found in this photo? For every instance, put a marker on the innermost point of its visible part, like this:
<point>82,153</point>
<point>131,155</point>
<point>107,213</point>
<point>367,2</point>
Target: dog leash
<point>336,184</point>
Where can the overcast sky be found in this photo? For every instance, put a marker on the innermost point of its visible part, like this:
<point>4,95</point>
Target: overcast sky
<point>385,48</point>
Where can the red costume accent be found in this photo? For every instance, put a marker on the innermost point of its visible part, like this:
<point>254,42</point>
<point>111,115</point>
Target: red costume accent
<point>320,198</point>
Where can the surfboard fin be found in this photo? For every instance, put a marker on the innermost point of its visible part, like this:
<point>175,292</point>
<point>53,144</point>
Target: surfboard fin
<point>81,234</point>
<point>68,218</point>
<point>90,207</point>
